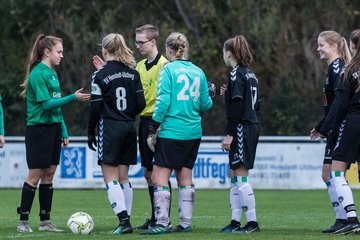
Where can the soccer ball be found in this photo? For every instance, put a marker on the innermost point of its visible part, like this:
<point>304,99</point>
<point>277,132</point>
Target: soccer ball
<point>80,223</point>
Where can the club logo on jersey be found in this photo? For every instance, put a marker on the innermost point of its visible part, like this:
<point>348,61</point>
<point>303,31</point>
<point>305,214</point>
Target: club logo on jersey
<point>56,95</point>
<point>73,162</point>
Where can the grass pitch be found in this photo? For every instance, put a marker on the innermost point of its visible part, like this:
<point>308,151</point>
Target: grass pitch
<point>281,214</point>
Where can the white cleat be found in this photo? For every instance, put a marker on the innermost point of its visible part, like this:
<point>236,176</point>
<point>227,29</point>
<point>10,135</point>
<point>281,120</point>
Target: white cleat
<point>23,227</point>
<point>49,227</point>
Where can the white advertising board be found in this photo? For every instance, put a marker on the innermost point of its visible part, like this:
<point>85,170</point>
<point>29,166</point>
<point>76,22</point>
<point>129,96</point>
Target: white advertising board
<point>281,163</point>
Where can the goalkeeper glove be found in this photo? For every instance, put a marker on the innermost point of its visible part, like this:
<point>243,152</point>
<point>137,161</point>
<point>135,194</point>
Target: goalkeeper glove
<point>92,142</point>
<point>212,89</point>
<point>151,139</point>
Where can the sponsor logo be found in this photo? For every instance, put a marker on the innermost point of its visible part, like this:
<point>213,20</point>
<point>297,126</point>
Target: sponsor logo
<point>73,162</point>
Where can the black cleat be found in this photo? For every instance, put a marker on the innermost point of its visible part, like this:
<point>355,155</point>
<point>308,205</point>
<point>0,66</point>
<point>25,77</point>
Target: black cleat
<point>157,229</point>
<point>122,229</point>
<point>348,228</point>
<point>180,228</point>
<point>232,227</point>
<point>147,225</point>
<point>339,223</point>
<point>249,228</point>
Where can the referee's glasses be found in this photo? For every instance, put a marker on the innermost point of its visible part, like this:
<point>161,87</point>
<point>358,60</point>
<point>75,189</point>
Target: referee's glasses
<point>141,43</point>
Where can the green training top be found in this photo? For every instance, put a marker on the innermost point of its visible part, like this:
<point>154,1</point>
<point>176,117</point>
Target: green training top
<point>2,129</point>
<point>182,94</point>
<point>43,85</point>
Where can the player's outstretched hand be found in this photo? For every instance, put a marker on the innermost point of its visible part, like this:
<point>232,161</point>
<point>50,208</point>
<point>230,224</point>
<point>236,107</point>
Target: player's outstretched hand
<point>92,142</point>
<point>212,89</point>
<point>82,97</point>
<point>98,62</point>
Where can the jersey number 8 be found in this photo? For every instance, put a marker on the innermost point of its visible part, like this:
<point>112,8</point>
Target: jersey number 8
<point>121,103</point>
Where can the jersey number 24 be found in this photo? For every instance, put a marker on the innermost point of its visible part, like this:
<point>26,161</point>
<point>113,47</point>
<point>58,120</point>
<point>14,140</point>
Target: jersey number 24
<point>187,90</point>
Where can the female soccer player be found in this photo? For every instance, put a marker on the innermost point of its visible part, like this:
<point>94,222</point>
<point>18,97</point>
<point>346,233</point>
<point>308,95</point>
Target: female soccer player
<point>333,49</point>
<point>2,129</point>
<point>116,98</point>
<point>182,95</point>
<point>347,148</point>
<point>353,42</point>
<point>45,128</point>
<point>242,133</point>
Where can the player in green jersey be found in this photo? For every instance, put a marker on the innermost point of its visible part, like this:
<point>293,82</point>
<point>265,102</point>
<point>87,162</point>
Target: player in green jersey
<point>45,128</point>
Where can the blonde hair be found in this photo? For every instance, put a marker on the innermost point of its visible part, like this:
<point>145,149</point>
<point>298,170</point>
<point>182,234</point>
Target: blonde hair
<point>334,38</point>
<point>42,42</point>
<point>179,43</point>
<point>115,44</point>
<point>239,48</point>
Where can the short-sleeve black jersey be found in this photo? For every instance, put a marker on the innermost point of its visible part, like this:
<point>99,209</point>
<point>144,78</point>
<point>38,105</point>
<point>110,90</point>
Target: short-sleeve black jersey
<point>118,87</point>
<point>243,85</point>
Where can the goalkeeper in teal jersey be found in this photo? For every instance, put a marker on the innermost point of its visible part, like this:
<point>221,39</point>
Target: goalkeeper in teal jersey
<point>182,94</point>
<point>2,130</point>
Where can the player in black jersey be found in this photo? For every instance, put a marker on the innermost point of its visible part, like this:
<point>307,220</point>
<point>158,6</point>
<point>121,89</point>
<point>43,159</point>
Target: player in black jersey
<point>333,49</point>
<point>347,148</point>
<point>116,98</point>
<point>242,133</point>
<point>353,42</point>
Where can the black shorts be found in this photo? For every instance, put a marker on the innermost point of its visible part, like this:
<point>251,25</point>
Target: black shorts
<point>328,153</point>
<point>117,142</point>
<point>243,146</point>
<point>145,153</point>
<point>176,154</point>
<point>43,145</point>
<point>347,147</point>
<point>329,148</point>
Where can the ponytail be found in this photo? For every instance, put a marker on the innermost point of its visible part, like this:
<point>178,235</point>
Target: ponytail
<point>115,44</point>
<point>179,44</point>
<point>42,42</point>
<point>344,50</point>
<point>239,48</point>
